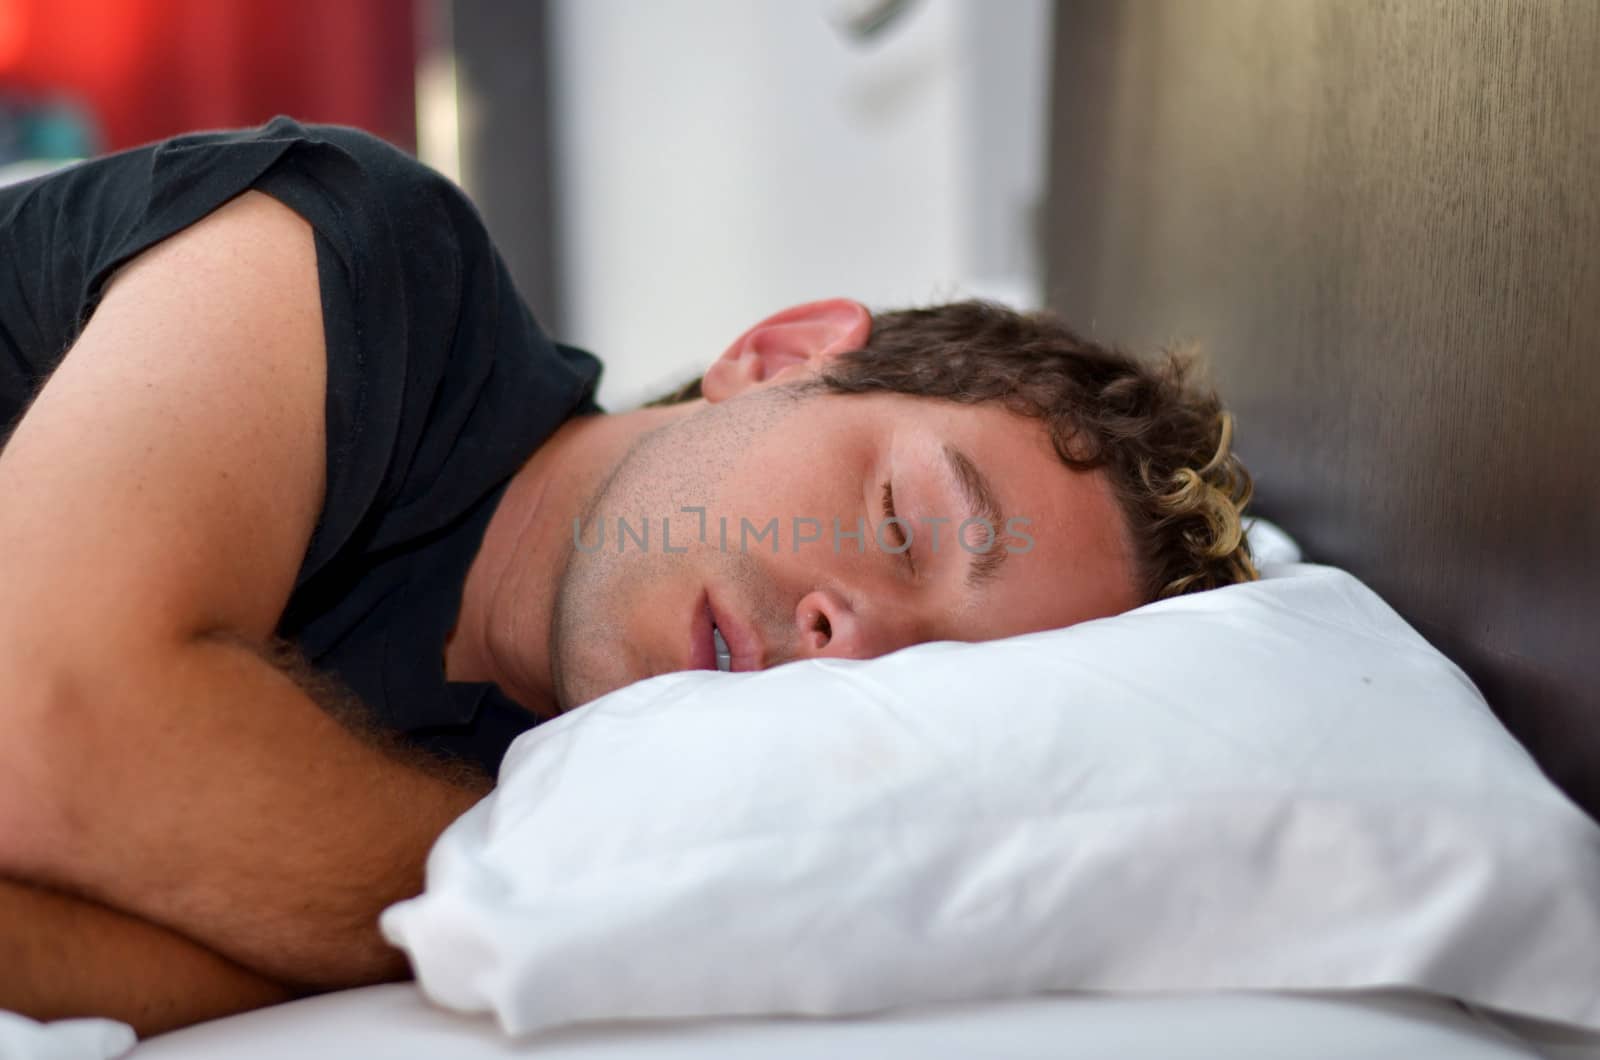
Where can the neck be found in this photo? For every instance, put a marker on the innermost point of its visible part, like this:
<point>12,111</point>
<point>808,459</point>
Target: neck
<point>502,633</point>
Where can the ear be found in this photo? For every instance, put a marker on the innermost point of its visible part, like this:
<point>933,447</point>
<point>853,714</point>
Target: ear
<point>787,346</point>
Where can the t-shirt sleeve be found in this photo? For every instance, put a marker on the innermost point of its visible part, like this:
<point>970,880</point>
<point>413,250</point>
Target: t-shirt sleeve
<point>66,233</point>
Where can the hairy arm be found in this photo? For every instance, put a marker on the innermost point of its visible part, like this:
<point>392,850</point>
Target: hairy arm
<point>118,966</point>
<point>160,496</point>
<point>235,811</point>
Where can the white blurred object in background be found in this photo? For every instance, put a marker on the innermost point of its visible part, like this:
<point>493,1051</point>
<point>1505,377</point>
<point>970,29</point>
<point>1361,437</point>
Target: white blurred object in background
<point>718,160</point>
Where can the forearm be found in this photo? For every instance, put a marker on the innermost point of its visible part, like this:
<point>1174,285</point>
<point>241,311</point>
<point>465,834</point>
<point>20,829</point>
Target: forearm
<point>203,790</point>
<point>65,957</point>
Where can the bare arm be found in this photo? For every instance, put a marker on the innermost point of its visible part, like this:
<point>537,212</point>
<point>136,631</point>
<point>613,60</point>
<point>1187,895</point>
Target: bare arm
<point>159,498</point>
<point>116,966</point>
<point>235,811</point>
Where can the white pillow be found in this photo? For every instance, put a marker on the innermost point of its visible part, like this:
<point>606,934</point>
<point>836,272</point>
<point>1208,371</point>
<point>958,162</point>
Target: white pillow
<point>1270,786</point>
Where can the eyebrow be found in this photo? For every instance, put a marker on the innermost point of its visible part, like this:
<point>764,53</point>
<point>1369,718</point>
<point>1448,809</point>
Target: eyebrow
<point>978,493</point>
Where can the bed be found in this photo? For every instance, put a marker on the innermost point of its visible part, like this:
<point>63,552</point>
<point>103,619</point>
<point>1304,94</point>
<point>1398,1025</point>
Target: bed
<point>394,1022</point>
<point>1380,221</point>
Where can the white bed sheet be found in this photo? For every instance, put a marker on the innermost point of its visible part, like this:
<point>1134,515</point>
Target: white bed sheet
<point>395,1022</point>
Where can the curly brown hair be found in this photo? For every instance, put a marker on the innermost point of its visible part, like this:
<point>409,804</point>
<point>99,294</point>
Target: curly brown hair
<point>1161,436</point>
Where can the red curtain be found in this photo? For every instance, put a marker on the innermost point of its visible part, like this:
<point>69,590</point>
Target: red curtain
<point>145,69</point>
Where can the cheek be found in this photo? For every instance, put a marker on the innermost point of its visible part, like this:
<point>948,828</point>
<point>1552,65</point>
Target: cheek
<point>805,470</point>
<point>778,494</point>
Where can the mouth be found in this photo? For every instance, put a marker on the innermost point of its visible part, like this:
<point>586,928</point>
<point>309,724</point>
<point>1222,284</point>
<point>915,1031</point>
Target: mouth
<point>708,648</point>
<point>712,647</point>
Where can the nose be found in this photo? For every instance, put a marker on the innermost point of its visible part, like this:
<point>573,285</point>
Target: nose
<point>830,627</point>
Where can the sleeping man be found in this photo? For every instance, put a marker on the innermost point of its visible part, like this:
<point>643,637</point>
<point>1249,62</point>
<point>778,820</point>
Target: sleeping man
<point>305,520</point>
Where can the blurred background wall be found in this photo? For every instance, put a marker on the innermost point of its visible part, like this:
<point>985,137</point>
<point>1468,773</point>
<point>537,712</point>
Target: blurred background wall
<point>660,174</point>
<point>720,159</point>
<point>139,70</point>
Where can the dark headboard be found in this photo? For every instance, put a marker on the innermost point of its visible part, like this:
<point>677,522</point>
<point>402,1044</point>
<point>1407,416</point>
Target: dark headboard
<point>1381,220</point>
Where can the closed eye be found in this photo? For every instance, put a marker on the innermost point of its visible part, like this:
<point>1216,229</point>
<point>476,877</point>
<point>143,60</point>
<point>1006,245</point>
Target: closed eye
<point>895,527</point>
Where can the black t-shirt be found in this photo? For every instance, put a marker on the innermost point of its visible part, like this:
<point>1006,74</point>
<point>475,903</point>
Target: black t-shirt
<point>440,383</point>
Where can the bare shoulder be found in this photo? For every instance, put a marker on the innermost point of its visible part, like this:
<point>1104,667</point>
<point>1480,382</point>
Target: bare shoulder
<point>166,480</point>
<point>252,248</point>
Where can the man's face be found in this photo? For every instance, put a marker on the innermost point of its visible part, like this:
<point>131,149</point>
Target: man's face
<point>786,477</point>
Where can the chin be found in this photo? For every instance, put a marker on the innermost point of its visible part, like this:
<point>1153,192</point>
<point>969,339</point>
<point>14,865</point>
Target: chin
<point>583,680</point>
